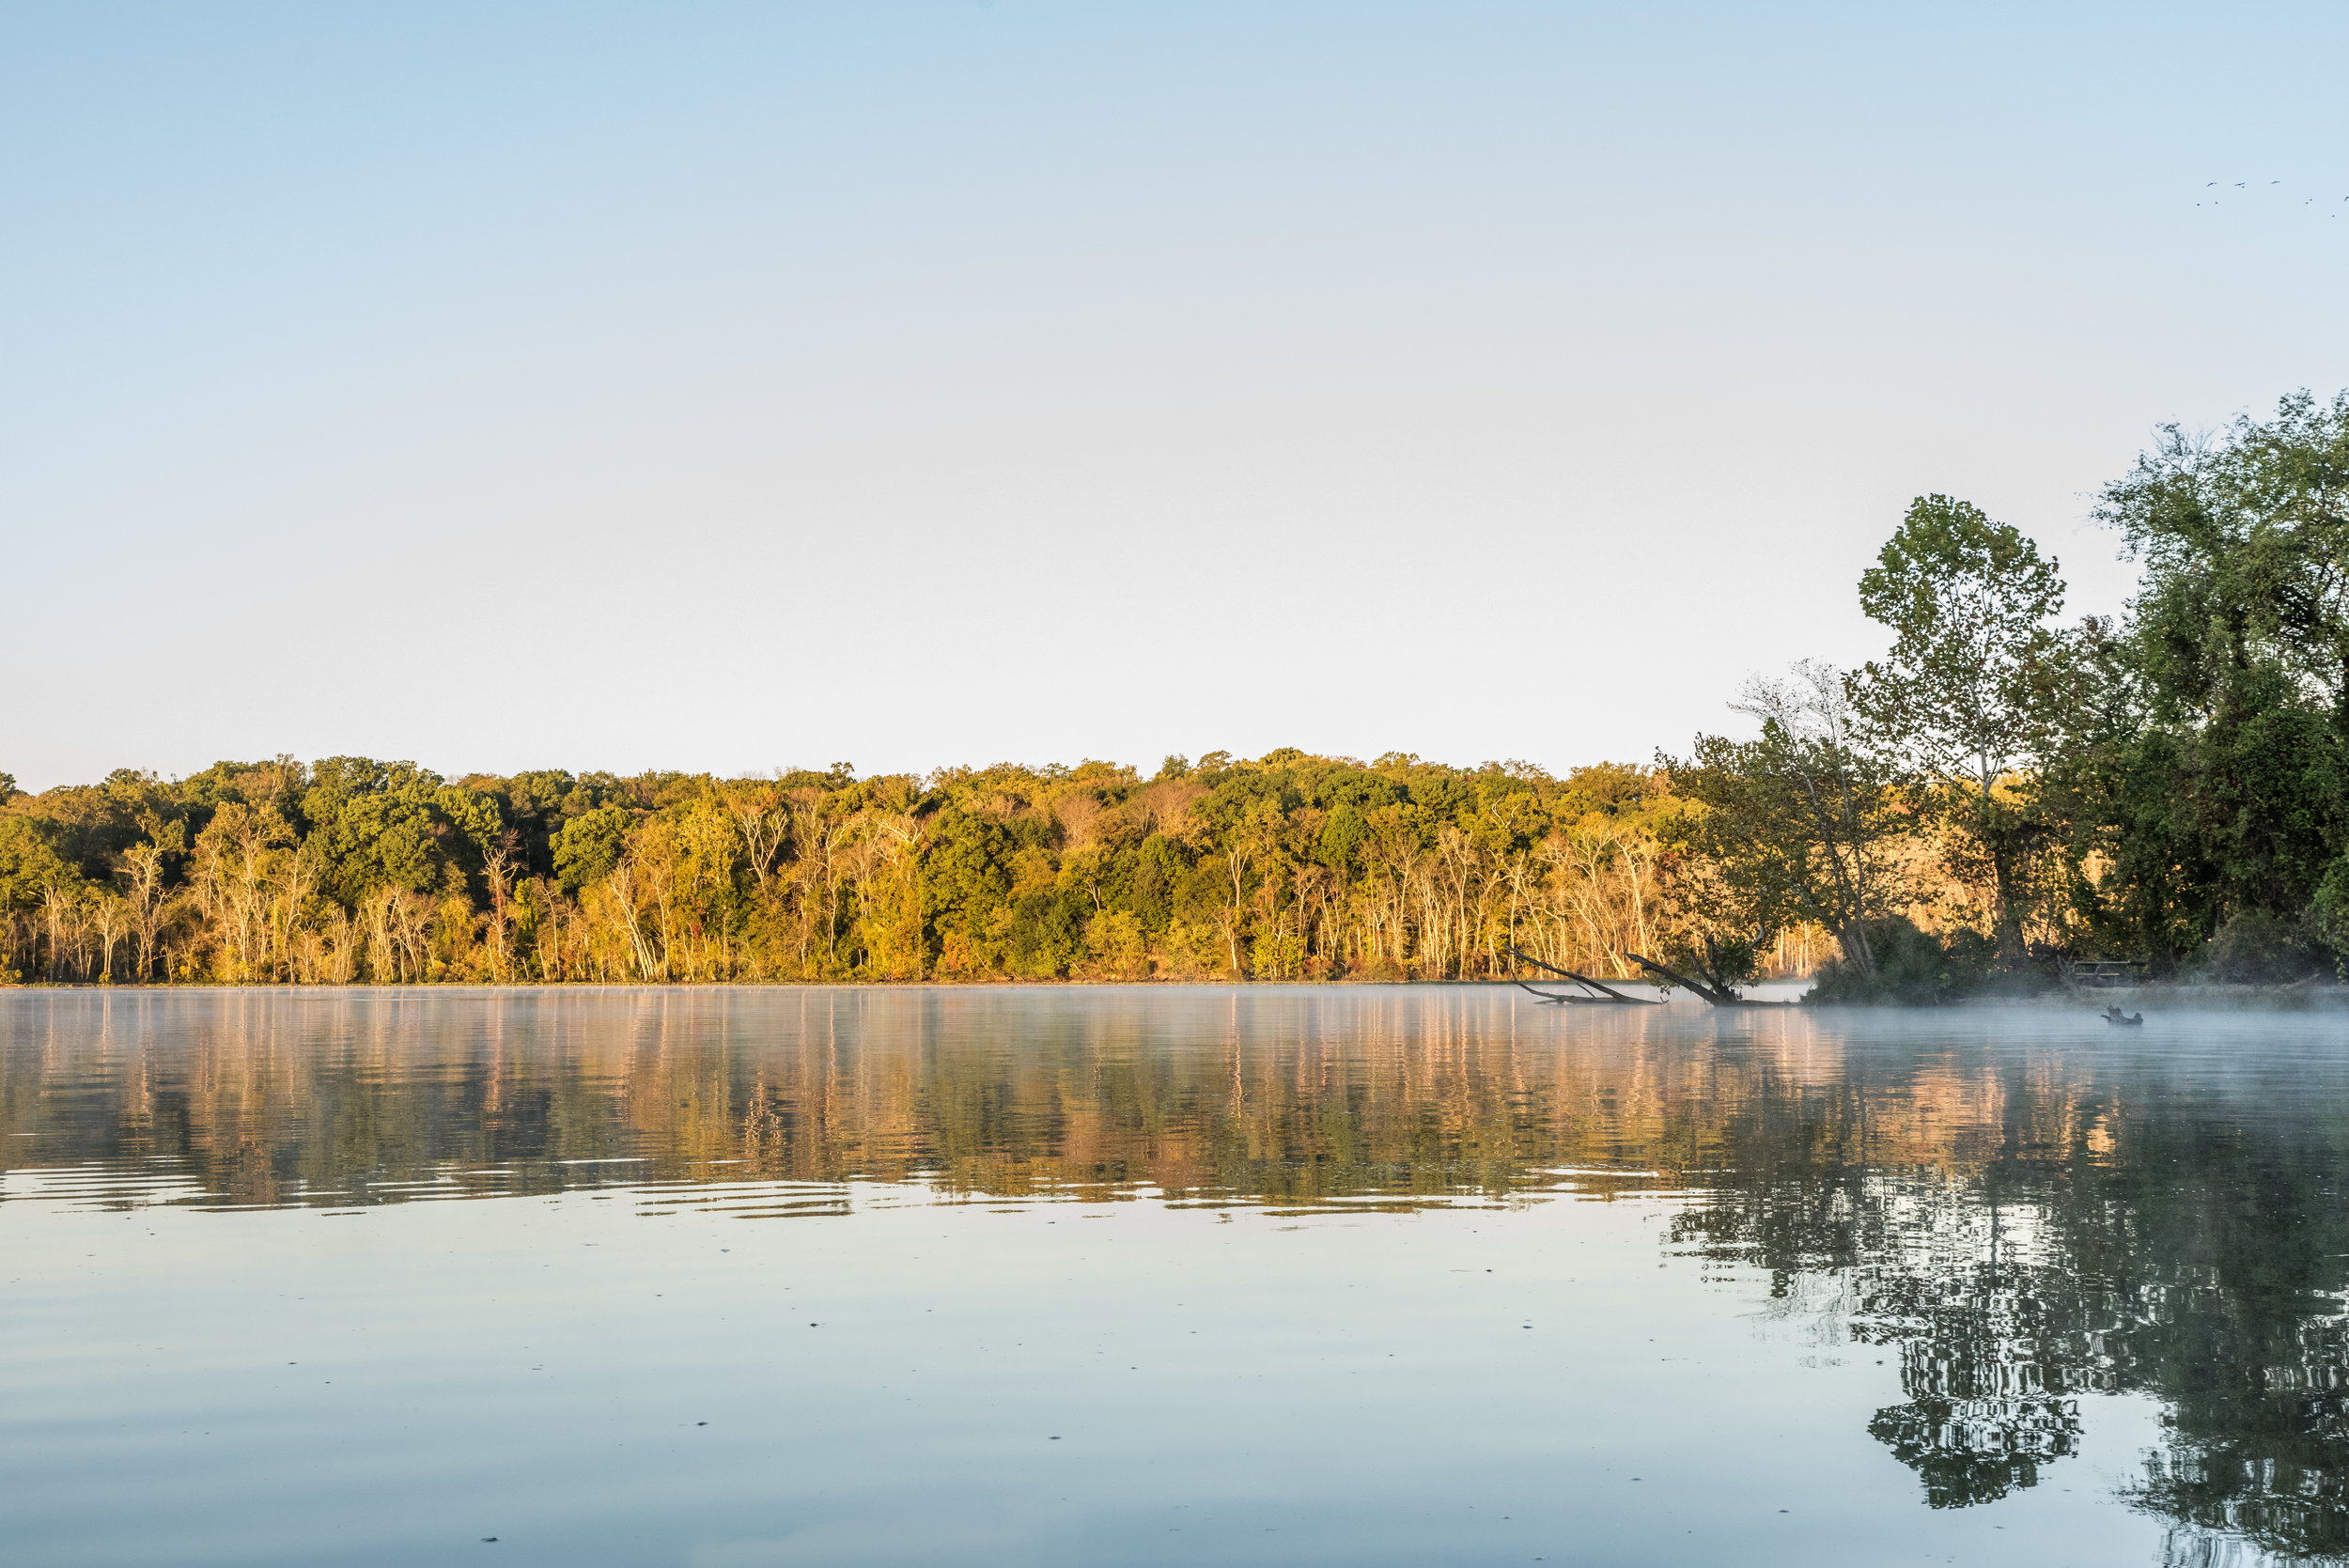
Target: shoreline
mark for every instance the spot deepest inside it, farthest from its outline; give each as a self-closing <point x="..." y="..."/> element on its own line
<point x="2163" y="996"/>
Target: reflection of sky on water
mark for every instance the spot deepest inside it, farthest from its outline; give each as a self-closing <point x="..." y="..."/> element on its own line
<point x="1943" y="1287"/>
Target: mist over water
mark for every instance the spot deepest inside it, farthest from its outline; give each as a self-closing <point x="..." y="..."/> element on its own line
<point x="1164" y="1275"/>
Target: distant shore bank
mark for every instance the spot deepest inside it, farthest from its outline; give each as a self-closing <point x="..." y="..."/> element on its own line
<point x="2152" y="996"/>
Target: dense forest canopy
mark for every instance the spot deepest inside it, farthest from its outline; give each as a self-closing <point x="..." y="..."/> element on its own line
<point x="1996" y="796"/>
<point x="1288" y="866"/>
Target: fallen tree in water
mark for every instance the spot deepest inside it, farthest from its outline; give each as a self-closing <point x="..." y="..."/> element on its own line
<point x="1607" y="993"/>
<point x="1720" y="995"/>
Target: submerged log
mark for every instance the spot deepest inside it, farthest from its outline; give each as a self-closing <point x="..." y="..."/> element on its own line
<point x="1607" y="993"/>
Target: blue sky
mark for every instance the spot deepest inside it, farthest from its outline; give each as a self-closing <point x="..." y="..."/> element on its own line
<point x="716" y="386"/>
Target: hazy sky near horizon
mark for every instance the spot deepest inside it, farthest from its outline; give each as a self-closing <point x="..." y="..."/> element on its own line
<point x="733" y="386"/>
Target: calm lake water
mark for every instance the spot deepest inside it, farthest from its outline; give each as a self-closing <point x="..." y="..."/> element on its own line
<point x="1163" y="1276"/>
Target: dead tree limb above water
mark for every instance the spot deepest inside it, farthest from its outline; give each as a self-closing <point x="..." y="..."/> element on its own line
<point x="1607" y="993"/>
<point x="1720" y="995"/>
<point x="1560" y="999"/>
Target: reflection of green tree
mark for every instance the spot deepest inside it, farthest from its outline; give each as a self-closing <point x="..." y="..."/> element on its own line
<point x="1990" y="1363"/>
<point x="2197" y="1258"/>
<point x="1971" y="1451"/>
<point x="2237" y="1252"/>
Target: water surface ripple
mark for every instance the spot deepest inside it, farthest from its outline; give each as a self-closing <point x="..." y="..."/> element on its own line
<point x="1163" y="1275"/>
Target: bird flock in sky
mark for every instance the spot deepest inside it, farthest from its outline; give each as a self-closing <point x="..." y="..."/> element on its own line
<point x="2248" y="185"/>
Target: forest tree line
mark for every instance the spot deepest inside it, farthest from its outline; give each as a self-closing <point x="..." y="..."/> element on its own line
<point x="1286" y="867"/>
<point x="2001" y="795"/>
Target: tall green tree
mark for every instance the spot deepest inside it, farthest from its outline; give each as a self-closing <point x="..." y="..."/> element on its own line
<point x="1962" y="696"/>
<point x="2214" y="782"/>
<point x="2243" y="537"/>
<point x="30" y="864"/>
<point x="1798" y="824"/>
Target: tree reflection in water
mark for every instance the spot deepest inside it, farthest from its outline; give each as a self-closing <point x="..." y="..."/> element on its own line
<point x="2097" y="1230"/>
<point x="2025" y="1218"/>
